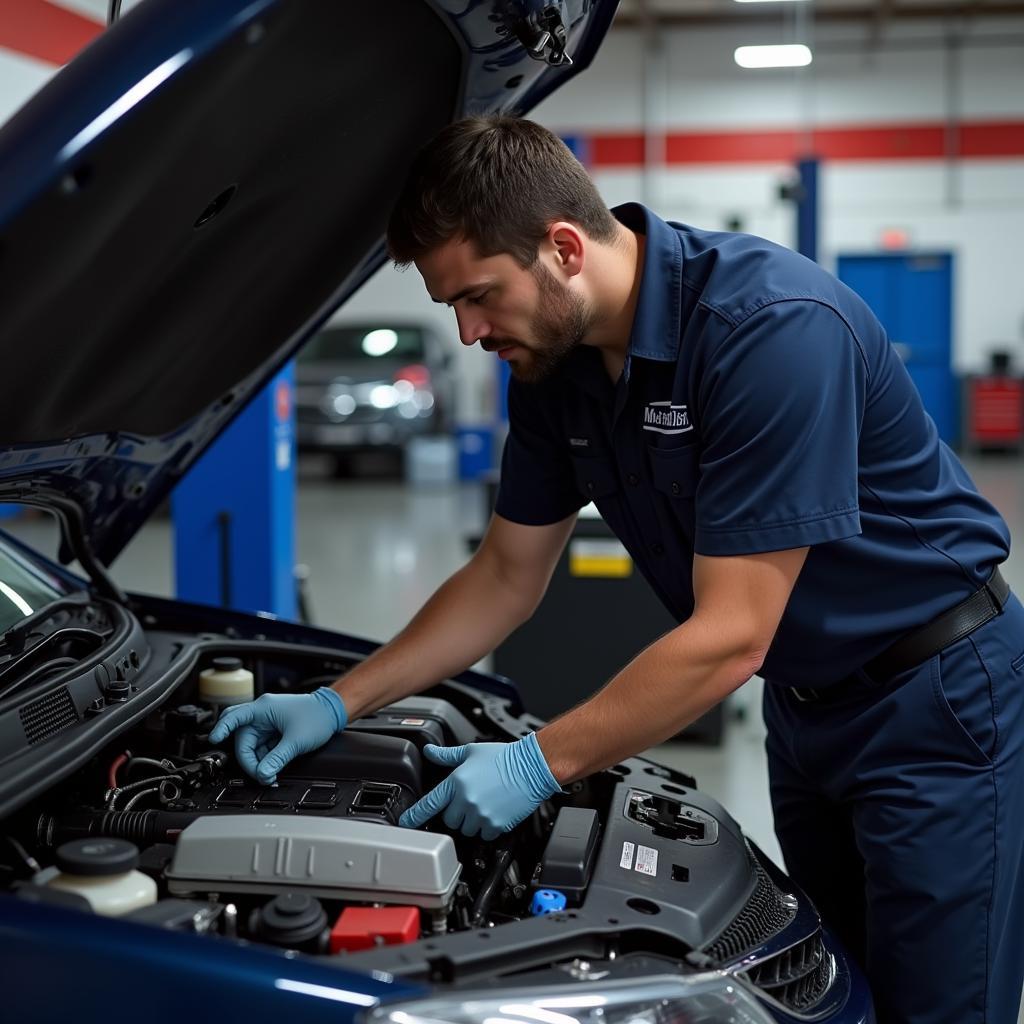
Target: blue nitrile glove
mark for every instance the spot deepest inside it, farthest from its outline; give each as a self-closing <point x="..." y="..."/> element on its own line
<point x="494" y="786"/>
<point x="303" y="721"/>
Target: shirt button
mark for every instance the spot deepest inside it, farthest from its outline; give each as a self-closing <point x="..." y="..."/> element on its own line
<point x="675" y="487"/>
<point x="633" y="479"/>
<point x="590" y="485"/>
<point x="658" y="549"/>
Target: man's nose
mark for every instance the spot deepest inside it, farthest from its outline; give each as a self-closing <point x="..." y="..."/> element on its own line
<point x="472" y="329"/>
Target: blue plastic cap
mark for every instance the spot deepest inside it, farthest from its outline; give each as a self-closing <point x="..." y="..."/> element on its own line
<point x="547" y="901"/>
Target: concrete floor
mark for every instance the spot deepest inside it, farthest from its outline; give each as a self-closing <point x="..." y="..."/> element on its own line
<point x="378" y="549"/>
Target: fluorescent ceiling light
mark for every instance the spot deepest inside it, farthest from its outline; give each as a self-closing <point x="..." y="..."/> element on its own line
<point x="794" y="55"/>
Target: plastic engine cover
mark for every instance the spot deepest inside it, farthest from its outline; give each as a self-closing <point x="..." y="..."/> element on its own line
<point x="329" y="857"/>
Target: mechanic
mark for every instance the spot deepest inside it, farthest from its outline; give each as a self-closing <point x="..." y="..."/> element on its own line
<point x="749" y="433"/>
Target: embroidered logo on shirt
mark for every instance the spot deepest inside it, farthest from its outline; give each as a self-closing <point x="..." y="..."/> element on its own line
<point x="666" y="418"/>
<point x="579" y="442"/>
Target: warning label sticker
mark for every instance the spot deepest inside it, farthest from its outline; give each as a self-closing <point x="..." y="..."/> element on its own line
<point x="626" y="861"/>
<point x="647" y="860"/>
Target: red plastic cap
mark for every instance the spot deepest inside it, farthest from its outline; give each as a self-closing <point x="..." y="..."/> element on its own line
<point x="366" y="927"/>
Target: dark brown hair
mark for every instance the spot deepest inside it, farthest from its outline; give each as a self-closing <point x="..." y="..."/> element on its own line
<point x="498" y="182"/>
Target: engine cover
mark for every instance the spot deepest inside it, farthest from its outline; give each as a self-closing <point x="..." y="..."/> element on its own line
<point x="327" y="857"/>
<point x="363" y="776"/>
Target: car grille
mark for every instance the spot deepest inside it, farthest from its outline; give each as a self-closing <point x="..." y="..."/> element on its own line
<point x="798" y="977"/>
<point x="766" y="913"/>
<point x="47" y="716"/>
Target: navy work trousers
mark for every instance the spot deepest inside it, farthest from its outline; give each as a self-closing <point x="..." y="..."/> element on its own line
<point x="900" y="811"/>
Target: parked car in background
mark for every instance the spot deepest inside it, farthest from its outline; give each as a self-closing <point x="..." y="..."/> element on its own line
<point x="371" y="387"/>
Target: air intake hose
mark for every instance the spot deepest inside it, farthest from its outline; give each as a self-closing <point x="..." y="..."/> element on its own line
<point x="140" y="827"/>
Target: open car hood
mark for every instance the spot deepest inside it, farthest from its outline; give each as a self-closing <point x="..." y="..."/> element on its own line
<point x="196" y="193"/>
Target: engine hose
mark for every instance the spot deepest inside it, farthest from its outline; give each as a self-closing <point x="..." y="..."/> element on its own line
<point x="168" y="790"/>
<point x="163" y="767"/>
<point x="141" y="827"/>
<point x="111" y="795"/>
<point x="139" y="796"/>
<point x="482" y="903"/>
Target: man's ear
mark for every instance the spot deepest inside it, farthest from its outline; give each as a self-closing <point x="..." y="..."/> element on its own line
<point x="567" y="244"/>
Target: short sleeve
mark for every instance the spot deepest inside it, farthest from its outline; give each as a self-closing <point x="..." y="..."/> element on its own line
<point x="537" y="481"/>
<point x="781" y="401"/>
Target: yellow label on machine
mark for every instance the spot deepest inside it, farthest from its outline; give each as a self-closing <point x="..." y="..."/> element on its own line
<point x="601" y="558"/>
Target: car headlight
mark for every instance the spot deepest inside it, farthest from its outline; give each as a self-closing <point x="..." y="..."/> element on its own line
<point x="707" y="998"/>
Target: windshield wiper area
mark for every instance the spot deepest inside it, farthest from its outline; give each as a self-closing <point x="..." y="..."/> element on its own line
<point x="51" y="639"/>
<point x="14" y="640"/>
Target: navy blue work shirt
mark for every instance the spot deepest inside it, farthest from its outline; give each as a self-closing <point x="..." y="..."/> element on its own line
<point x="761" y="408"/>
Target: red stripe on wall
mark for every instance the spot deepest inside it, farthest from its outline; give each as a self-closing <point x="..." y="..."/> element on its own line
<point x="992" y="138"/>
<point x="925" y="141"/>
<point x="616" y="150"/>
<point x="44" y="30"/>
<point x="730" y="147"/>
<point x="892" y="142"/>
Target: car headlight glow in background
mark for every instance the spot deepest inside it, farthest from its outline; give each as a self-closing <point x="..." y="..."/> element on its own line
<point x="380" y="342"/>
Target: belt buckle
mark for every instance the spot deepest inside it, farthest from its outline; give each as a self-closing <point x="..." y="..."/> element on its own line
<point x="799" y="691"/>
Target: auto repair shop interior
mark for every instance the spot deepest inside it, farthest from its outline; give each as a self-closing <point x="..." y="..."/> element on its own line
<point x="236" y="457"/>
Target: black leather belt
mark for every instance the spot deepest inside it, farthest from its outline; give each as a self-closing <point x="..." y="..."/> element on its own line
<point x="917" y="647"/>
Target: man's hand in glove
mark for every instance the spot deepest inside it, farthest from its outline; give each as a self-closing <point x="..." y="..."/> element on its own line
<point x="493" y="788"/>
<point x="277" y="727"/>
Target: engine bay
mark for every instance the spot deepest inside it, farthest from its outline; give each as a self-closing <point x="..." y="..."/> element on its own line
<point x="634" y="861"/>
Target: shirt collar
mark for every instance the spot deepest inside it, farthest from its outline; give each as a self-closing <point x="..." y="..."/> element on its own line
<point x="656" y="322"/>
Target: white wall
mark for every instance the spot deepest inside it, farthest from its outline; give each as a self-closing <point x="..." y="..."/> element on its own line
<point x="20" y="77"/>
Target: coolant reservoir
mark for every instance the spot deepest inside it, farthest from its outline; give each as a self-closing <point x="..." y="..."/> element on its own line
<point x="226" y="683"/>
<point x="103" y="871"/>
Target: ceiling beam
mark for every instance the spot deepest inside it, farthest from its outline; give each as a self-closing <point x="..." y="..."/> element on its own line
<point x="857" y="13"/>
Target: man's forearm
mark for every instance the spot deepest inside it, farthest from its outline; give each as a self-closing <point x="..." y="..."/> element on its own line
<point x="467" y="617"/>
<point x="665" y="688"/>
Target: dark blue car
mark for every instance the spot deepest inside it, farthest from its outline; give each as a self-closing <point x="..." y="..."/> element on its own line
<point x="183" y="206"/>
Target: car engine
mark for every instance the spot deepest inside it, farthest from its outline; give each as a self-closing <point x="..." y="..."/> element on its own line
<point x="633" y="862"/>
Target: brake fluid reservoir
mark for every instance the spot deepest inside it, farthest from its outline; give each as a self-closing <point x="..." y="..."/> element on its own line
<point x="226" y="683"/>
<point x="103" y="871"/>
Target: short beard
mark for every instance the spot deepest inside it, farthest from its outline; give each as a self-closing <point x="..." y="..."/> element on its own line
<point x="558" y="327"/>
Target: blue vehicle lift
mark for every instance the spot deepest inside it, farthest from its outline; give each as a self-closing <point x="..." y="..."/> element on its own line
<point x="234" y="512"/>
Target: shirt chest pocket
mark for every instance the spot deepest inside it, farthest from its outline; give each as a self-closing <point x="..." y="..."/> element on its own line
<point x="675" y="471"/>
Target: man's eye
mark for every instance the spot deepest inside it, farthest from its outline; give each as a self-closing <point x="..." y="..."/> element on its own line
<point x="475" y="300"/>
